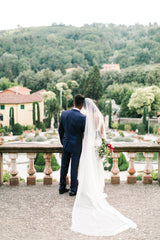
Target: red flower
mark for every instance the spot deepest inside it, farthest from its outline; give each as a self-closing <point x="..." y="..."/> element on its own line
<point x="110" y="147"/>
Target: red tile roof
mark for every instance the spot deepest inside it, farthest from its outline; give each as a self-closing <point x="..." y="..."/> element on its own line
<point x="39" y="92"/>
<point x="70" y="69"/>
<point x="19" y="90"/>
<point x="18" y="99"/>
<point x="110" y="67"/>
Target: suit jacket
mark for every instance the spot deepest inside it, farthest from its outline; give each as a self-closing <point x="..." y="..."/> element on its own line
<point x="71" y="129"/>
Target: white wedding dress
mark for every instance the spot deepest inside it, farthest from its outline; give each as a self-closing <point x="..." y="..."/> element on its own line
<point x="92" y="215"/>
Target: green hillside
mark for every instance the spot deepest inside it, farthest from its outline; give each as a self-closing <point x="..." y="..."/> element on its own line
<point x="37" y="58"/>
<point x="51" y="47"/>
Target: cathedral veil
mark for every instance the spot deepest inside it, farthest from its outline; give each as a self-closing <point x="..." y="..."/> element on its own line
<point x="92" y="215"/>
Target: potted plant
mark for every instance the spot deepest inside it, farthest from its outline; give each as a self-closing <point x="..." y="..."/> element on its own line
<point x="21" y="138"/>
<point x="1" y="141"/>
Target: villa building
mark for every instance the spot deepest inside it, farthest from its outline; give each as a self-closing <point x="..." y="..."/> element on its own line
<point x="110" y="67"/>
<point x="22" y="102"/>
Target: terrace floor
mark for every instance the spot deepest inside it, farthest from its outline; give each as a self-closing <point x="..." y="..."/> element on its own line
<point x="40" y="213"/>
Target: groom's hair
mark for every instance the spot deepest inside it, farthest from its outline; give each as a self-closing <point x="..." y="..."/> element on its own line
<point x="79" y="100"/>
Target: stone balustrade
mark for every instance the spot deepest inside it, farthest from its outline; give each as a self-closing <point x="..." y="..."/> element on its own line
<point x="148" y="150"/>
<point x="47" y="149"/>
<point x="31" y="150"/>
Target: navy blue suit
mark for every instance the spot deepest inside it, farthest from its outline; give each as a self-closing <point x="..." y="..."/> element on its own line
<point x="71" y="129"/>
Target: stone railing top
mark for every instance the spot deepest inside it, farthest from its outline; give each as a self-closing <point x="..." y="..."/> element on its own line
<point x="31" y="148"/>
<point x="136" y="147"/>
<point x="57" y="147"/>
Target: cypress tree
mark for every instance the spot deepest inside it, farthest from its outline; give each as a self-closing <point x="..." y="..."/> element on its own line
<point x="36" y="122"/>
<point x="145" y="114"/>
<point x="110" y="114"/>
<point x="93" y="85"/>
<point x="11" y="117"/>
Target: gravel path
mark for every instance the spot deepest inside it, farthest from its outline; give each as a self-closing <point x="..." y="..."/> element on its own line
<point x="40" y="213"/>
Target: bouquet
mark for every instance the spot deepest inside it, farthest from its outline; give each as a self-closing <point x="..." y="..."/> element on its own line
<point x="105" y="152"/>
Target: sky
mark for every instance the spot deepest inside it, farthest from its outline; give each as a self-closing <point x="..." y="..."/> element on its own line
<point x="30" y="13"/>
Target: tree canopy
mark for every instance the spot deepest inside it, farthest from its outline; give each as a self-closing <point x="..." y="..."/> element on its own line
<point x="44" y="57"/>
<point x="146" y="97"/>
<point x="60" y="47"/>
<point x="93" y="85"/>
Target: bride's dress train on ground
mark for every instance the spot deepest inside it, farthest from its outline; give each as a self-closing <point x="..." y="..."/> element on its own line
<point x="92" y="215"/>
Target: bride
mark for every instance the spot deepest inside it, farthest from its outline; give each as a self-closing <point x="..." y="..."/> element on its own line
<point x="92" y="215"/>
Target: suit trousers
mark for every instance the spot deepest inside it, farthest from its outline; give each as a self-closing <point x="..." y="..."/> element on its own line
<point x="66" y="157"/>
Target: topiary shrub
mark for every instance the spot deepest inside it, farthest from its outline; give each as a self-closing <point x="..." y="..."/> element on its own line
<point x="39" y="163"/>
<point x="2" y="131"/>
<point x="117" y="139"/>
<point x="121" y="126"/>
<point x="127" y="127"/>
<point x="17" y="129"/>
<point x="11" y="117"/>
<point x="36" y="122"/>
<point x="40" y="138"/>
<point x="6" y="176"/>
<point x="54" y="165"/>
<point x="141" y="128"/>
<point x="49" y="136"/>
<point x="122" y="163"/>
<point x="122" y="139"/>
<point x="17" y="139"/>
<point x="155" y="176"/>
<point x="127" y="139"/>
<point x="151" y="129"/>
<point x="110" y="114"/>
<point x="30" y="127"/>
<point x="155" y="129"/>
<point x="114" y="125"/>
<point x="29" y="139"/>
<point x="134" y="126"/>
<point x="139" y="177"/>
<point x="42" y="126"/>
<point x="139" y="157"/>
<point x="121" y="133"/>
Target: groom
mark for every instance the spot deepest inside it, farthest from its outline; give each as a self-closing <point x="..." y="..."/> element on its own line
<point x="71" y="129"/>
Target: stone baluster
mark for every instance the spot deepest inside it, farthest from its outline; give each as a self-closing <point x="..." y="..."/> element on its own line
<point x="31" y="179"/>
<point x="115" y="178"/>
<point x="131" y="178"/>
<point x="48" y="170"/>
<point x="159" y="168"/>
<point x="14" y="179"/>
<point x="1" y="168"/>
<point x="147" y="177"/>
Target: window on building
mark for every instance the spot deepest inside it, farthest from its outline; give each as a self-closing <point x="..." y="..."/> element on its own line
<point x="2" y="107"/>
<point x="1" y="117"/>
<point x="22" y="106"/>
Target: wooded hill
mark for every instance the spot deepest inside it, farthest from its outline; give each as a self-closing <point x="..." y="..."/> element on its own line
<point x="59" y="45"/>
